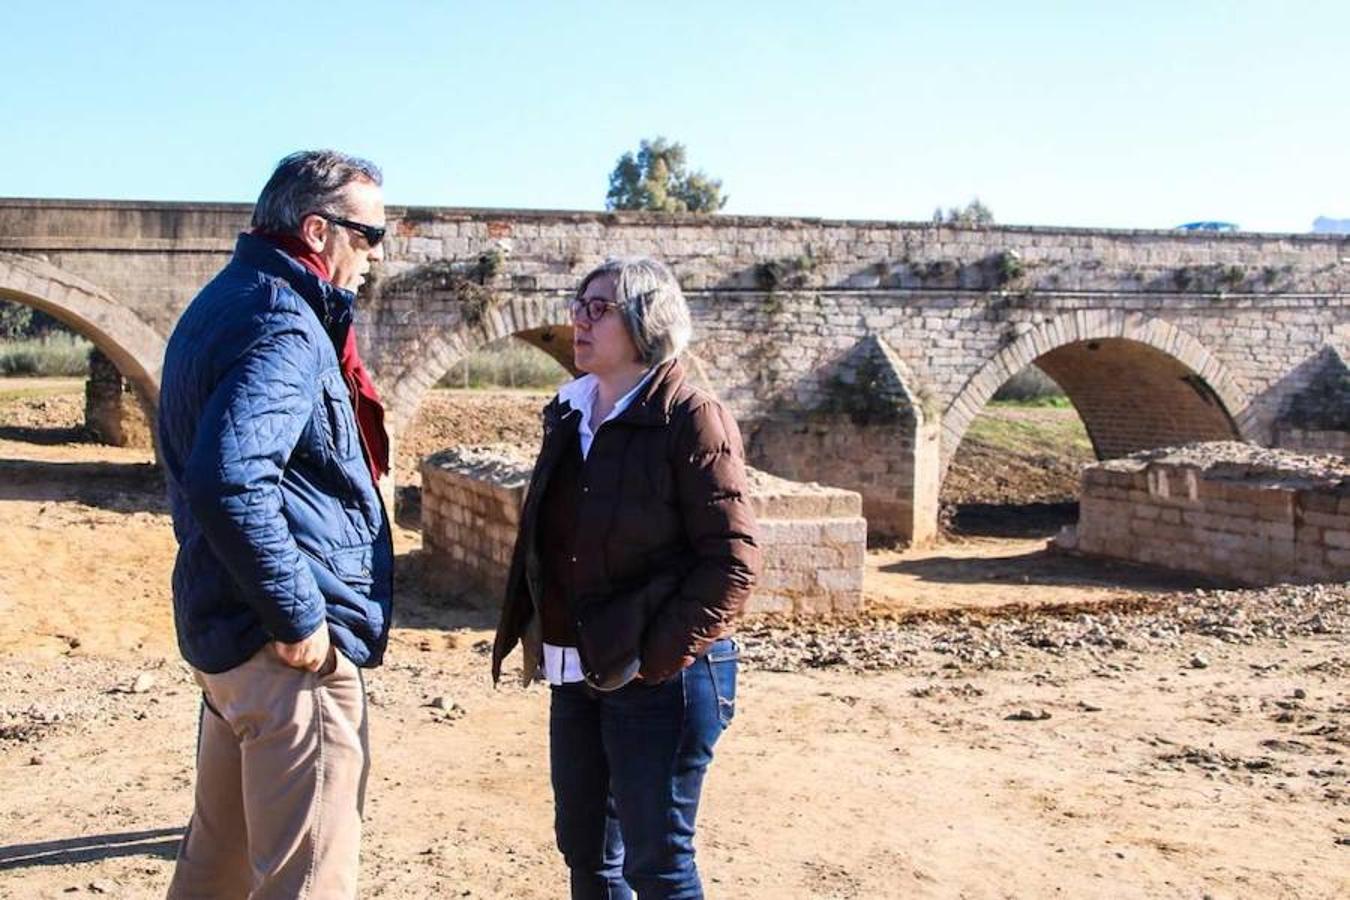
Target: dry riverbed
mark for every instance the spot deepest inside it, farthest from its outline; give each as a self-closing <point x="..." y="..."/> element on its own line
<point x="1004" y="724"/>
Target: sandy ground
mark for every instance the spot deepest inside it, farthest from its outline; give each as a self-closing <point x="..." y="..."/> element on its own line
<point x="1174" y="766"/>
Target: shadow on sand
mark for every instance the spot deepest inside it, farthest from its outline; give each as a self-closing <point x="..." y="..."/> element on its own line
<point x="44" y="437"/>
<point x="426" y="598"/>
<point x="1048" y="567"/>
<point x="120" y="487"/>
<point x="158" y="842"/>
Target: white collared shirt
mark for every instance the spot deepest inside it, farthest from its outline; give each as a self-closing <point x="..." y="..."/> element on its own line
<point x="580" y="394"/>
<point x="562" y="665"/>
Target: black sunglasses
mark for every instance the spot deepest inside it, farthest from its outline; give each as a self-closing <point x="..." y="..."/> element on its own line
<point x="372" y="233"/>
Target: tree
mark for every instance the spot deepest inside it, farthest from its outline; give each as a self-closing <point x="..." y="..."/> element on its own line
<point x="974" y="215"/>
<point x="18" y="322"/>
<point x="658" y="180"/>
<point x="15" y="320"/>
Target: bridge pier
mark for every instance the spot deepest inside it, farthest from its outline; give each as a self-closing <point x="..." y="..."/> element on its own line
<point x="895" y="466"/>
<point x="870" y="432"/>
<point x="114" y="410"/>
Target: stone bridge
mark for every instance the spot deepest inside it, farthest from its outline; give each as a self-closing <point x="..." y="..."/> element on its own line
<point x="854" y="353"/>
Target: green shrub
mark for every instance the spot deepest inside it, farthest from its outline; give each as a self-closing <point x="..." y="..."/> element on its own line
<point x="509" y="363"/>
<point x="1031" y="386"/>
<point x="57" y="354"/>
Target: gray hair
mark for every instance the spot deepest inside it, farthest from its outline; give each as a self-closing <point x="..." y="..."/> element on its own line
<point x="652" y="305"/>
<point x="311" y="181"/>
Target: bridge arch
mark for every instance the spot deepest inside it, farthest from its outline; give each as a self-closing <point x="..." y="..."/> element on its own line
<point x="1136" y="381"/>
<point x="135" y="348"/>
<point x="542" y="322"/>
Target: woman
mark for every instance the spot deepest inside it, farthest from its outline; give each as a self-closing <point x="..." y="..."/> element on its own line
<point x="635" y="554"/>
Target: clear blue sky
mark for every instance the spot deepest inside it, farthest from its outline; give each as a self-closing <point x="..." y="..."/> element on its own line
<point x="1130" y="114"/>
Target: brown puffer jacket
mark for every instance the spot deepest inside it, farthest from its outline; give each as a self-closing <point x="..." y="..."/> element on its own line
<point x="666" y="550"/>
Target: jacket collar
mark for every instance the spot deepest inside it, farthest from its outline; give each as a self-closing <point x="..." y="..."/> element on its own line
<point x="332" y="304"/>
<point x="581" y="393"/>
<point x="652" y="406"/>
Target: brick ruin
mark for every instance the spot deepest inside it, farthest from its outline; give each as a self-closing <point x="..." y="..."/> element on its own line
<point x="813" y="538"/>
<point x="1227" y="510"/>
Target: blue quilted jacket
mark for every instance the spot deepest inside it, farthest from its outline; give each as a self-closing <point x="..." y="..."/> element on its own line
<point x="279" y="525"/>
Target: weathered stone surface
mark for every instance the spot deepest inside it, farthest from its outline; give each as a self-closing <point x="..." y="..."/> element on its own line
<point x="1230" y="510"/>
<point x="113" y="411"/>
<point x="812" y="538"/>
<point x="803" y="326"/>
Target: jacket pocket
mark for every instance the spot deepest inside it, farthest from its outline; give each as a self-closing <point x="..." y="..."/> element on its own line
<point x="353" y="566"/>
<point x="339" y="418"/>
<point x="610" y="630"/>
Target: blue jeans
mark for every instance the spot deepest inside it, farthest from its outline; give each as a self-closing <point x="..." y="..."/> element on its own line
<point x="628" y="768"/>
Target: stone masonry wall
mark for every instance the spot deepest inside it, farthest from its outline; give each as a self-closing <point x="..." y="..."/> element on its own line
<point x="778" y="302"/>
<point x="877" y="460"/>
<point x="1315" y="441"/>
<point x="1242" y="333"/>
<point x="1227" y="510"/>
<point x="471" y="502"/>
<point x="112" y="411"/>
<point x="813" y="538"/>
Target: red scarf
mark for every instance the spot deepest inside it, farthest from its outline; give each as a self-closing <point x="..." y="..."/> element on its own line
<point x="365" y="398"/>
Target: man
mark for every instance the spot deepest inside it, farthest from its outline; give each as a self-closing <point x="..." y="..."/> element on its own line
<point x="272" y="440"/>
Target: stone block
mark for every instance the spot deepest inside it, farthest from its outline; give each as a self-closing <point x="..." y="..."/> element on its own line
<point x="1277" y="531"/>
<point x="1326" y="520"/>
<point x="814" y="603"/>
<point x="1317" y="502"/>
<point x="768" y="601"/>
<point x="790" y="531"/>
<point x="840" y="580"/>
<point x="783" y="579"/>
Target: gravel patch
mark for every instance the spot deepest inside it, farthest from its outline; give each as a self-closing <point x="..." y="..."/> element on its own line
<point x="987" y="639"/>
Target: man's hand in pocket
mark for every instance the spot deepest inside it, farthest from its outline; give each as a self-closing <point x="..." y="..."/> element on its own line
<point x="311" y="653"/>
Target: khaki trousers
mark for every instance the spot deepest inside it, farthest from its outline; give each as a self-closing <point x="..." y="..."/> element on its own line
<point x="282" y="760"/>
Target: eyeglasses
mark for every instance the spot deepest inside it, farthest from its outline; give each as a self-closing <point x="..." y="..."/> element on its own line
<point x="372" y="233"/>
<point x="594" y="309"/>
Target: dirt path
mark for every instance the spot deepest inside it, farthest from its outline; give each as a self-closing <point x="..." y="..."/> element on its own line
<point x="1178" y="765"/>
